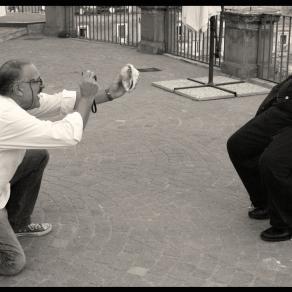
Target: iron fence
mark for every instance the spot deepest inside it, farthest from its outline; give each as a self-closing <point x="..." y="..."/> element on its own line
<point x="181" y="41"/>
<point x="274" y="54"/>
<point x="26" y="9"/>
<point x="115" y="24"/>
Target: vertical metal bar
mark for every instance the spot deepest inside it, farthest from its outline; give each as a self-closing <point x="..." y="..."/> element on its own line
<point x="71" y="18"/>
<point x="78" y="23"/>
<point x="175" y="31"/>
<point x="128" y="28"/>
<point x="264" y="46"/>
<point x="86" y="23"/>
<point x="171" y="29"/>
<point x="135" y="27"/>
<point x="104" y="24"/>
<point x="192" y="44"/>
<point x="203" y="49"/>
<point x="184" y="38"/>
<point x="188" y="38"/>
<point x="196" y="45"/>
<point x="199" y="44"/>
<point x="282" y="48"/>
<point x="90" y="22"/>
<point x="270" y="44"/>
<point x="179" y="34"/>
<point x="216" y="43"/>
<point x="97" y="23"/>
<point x="208" y="40"/>
<point x="101" y="25"/>
<point x="276" y="47"/>
<point x="211" y="54"/>
<point x="167" y="30"/>
<point x="137" y="17"/>
<point x="288" y="52"/>
<point x="94" y="22"/>
<point x="116" y="26"/>
<point x="112" y="19"/>
<point x="91" y="16"/>
<point x="120" y="39"/>
<point x="124" y="23"/>
<point x="66" y="22"/>
<point x="260" y="48"/>
<point x="108" y="26"/>
<point x="132" y="38"/>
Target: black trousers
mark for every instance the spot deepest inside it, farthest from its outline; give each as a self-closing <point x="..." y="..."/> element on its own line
<point x="261" y="152"/>
<point x="25" y="186"/>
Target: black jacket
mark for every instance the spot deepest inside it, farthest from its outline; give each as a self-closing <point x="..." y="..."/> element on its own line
<point x="277" y="95"/>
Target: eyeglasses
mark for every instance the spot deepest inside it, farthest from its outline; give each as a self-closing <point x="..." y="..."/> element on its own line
<point x="39" y="81"/>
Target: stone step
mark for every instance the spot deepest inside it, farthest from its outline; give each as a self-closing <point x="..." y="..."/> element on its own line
<point x="8" y="33"/>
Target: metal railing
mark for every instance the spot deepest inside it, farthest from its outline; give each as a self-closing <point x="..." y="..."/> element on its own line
<point x="274" y="54"/>
<point x="181" y="41"/>
<point x="115" y="24"/>
<point x="26" y="9"/>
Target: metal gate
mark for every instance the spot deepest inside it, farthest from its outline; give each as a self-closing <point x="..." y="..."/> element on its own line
<point x="115" y="24"/>
<point x="26" y="9"/>
<point x="274" y="54"/>
<point x="181" y="41"/>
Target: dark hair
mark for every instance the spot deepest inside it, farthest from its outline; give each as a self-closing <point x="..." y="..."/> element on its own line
<point x="10" y="71"/>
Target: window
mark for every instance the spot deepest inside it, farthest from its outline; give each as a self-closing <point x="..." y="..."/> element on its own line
<point x="122" y="32"/>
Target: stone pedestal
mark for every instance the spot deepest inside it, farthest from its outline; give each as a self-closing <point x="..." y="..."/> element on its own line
<point x="242" y="50"/>
<point x="55" y="20"/>
<point x="152" y="29"/>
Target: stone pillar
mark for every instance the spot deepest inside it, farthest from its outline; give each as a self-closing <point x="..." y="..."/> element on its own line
<point x="152" y="29"/>
<point x="242" y="51"/>
<point x="55" y="20"/>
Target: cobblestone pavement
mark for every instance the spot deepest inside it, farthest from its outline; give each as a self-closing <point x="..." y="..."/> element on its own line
<point x="149" y="197"/>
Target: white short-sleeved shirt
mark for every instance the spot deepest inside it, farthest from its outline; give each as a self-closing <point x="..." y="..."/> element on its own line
<point x="52" y="125"/>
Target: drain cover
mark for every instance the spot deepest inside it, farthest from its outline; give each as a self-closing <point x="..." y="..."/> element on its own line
<point x="151" y="69"/>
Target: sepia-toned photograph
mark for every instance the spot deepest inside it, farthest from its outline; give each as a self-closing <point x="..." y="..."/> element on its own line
<point x="146" y="146"/>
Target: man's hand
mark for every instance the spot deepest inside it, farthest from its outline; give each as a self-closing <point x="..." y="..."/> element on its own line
<point x="125" y="81"/>
<point x="88" y="86"/>
<point x="116" y="89"/>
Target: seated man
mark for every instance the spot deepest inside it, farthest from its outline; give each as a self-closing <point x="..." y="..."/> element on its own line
<point x="261" y="152"/>
<point x="23" y="138"/>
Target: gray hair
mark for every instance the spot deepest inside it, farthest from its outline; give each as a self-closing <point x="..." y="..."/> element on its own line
<point x="10" y="72"/>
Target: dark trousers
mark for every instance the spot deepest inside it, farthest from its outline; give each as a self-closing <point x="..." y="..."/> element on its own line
<point x="25" y="186"/>
<point x="261" y="152"/>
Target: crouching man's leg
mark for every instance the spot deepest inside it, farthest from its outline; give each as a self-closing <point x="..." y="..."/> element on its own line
<point x="25" y="186"/>
<point x="12" y="258"/>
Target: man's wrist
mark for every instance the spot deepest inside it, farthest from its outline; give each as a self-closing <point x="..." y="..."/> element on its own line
<point x="108" y="95"/>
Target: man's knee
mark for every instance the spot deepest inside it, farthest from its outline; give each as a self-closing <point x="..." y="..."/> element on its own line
<point x="11" y="263"/>
<point x="43" y="157"/>
<point x="233" y="144"/>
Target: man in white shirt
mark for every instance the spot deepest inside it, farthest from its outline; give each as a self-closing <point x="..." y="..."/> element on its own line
<point x="25" y="131"/>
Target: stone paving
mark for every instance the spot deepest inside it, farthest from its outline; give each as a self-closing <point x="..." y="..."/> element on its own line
<point x="149" y="197"/>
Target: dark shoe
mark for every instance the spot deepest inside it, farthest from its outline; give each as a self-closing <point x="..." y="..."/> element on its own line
<point x="276" y="234"/>
<point x="259" y="213"/>
<point x="34" y="229"/>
